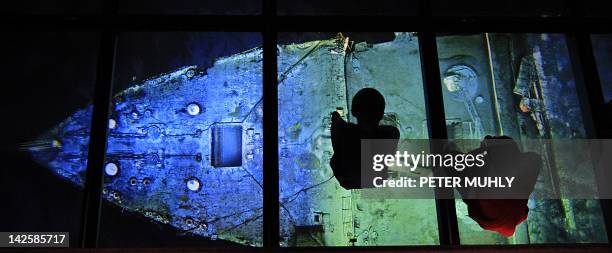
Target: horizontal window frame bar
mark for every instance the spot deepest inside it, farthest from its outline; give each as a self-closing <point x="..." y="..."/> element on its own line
<point x="304" y="23"/>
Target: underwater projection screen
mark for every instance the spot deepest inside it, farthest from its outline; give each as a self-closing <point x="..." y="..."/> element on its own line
<point x="184" y="147"/>
<point x="522" y="86"/>
<point x="321" y="76"/>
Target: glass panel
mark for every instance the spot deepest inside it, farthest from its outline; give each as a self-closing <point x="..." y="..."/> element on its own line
<point x="522" y="86"/>
<point x="516" y="8"/>
<point x="316" y="77"/>
<point x="602" y="48"/>
<point x="192" y="7"/>
<point x="43" y="147"/>
<point x="184" y="153"/>
<point x="348" y="7"/>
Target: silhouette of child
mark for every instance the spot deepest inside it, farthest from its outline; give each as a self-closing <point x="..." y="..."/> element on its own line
<point x="501" y="209"/>
<point x="368" y="107"/>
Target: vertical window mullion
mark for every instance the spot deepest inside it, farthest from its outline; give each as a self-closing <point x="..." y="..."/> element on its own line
<point x="448" y="229"/>
<point x="270" y="125"/>
<point x="97" y="140"/>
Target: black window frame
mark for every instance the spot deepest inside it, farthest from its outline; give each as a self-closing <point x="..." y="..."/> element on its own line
<point x="577" y="27"/>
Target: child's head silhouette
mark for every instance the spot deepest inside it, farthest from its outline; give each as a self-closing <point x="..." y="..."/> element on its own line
<point x="368" y="105"/>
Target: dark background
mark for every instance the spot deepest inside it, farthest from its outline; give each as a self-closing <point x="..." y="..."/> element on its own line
<point x="515" y="8"/>
<point x="46" y="77"/>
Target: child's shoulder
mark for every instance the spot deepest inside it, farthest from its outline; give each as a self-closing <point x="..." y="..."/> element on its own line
<point x="389" y="132"/>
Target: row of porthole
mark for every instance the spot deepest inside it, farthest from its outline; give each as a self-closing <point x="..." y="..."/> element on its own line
<point x="193" y="109"/>
<point x="111" y="169"/>
<point x="145" y="181"/>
